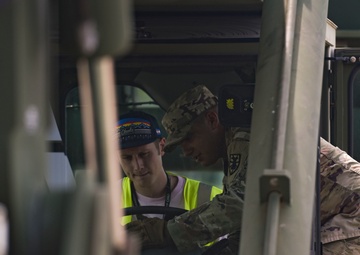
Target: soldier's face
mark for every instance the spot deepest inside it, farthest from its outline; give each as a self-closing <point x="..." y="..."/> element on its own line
<point x="203" y="142"/>
<point x="143" y="164"/>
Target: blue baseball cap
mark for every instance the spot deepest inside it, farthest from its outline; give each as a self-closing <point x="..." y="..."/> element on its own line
<point x="137" y="128"/>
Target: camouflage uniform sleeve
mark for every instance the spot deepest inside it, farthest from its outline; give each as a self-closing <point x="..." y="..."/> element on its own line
<point x="340" y="194"/>
<point x="223" y="214"/>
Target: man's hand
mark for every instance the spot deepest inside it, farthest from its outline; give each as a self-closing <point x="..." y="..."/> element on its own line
<point x="152" y="232"/>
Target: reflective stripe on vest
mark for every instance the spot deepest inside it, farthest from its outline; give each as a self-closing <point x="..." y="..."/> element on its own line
<point x="126" y="199"/>
<point x="195" y="194"/>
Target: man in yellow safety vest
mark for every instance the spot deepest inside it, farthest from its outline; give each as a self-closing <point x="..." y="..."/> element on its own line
<point x="141" y="147"/>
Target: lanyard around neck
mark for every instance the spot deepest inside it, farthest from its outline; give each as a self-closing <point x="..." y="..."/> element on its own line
<point x="135" y="199"/>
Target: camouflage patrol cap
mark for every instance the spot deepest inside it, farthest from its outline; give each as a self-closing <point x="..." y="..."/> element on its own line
<point x="181" y="114"/>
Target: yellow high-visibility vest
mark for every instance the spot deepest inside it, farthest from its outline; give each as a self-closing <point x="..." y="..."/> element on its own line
<point x="195" y="193"/>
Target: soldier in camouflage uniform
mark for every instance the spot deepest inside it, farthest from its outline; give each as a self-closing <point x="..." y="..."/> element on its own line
<point x="340" y="201"/>
<point x="192" y="121"/>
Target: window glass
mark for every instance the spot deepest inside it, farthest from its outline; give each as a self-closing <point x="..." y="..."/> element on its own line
<point x="355" y="111"/>
<point x="132" y="98"/>
<point x="73" y="131"/>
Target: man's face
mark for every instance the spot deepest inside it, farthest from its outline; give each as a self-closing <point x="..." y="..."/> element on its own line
<point x="143" y="164"/>
<point x="203" y="143"/>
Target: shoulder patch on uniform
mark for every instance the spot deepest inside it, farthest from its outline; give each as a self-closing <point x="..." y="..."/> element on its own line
<point x="234" y="162"/>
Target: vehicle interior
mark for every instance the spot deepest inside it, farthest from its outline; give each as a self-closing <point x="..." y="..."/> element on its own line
<point x="158" y="50"/>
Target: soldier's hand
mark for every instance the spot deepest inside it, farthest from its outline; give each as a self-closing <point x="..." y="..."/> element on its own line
<point x="152" y="232"/>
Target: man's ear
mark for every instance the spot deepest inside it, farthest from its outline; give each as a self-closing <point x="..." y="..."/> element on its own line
<point x="213" y="119"/>
<point x="162" y="145"/>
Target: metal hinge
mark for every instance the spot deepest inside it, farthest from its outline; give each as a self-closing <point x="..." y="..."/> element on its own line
<point x="275" y="180"/>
